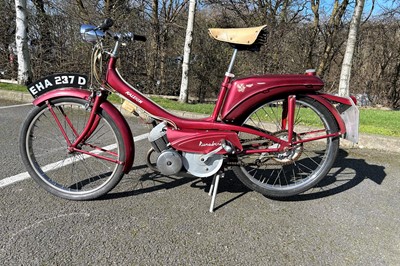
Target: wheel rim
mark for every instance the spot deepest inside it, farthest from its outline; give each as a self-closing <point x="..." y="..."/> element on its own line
<point x="297" y="167"/>
<point x="72" y="173"/>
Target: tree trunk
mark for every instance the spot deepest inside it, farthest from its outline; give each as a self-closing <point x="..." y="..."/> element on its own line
<point x="83" y="14"/>
<point x="21" y="39"/>
<point x="351" y="43"/>
<point x="331" y="35"/>
<point x="315" y="30"/>
<point x="154" y="46"/>
<point x="43" y="21"/>
<point x="184" y="95"/>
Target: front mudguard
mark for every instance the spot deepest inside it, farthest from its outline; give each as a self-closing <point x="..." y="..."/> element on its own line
<point x="109" y="108"/>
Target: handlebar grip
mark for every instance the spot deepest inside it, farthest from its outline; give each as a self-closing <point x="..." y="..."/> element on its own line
<point x="106" y="25"/>
<point x="139" y="38"/>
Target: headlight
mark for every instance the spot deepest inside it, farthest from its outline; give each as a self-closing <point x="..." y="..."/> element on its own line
<point x="90" y="34"/>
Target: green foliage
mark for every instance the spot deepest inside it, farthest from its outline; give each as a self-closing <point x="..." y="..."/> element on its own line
<point x="12" y="87"/>
<point x="381" y="122"/>
<point x="201" y="108"/>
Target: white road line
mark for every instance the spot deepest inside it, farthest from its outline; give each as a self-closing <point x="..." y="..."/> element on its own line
<point x="22" y="176"/>
<point x="12" y="106"/>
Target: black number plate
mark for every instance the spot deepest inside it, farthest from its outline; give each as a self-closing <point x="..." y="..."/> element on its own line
<point x="57" y="81"/>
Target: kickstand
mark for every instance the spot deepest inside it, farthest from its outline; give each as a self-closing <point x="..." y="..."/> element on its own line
<point x="214" y="188"/>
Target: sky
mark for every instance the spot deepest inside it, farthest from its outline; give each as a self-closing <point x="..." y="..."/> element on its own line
<point x="381" y="5"/>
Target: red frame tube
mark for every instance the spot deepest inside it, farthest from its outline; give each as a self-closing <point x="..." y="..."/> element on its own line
<point x="291" y="110"/>
<point x="59" y="124"/>
<point x="221" y="98"/>
<point x="97" y="155"/>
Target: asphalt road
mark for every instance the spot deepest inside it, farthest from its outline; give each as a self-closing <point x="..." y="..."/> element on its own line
<point x="352" y="218"/>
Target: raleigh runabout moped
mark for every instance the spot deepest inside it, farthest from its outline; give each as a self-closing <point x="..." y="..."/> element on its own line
<point x="278" y="133"/>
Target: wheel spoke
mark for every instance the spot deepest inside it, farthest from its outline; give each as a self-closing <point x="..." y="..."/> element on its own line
<point x="72" y="174"/>
<point x="299" y="168"/>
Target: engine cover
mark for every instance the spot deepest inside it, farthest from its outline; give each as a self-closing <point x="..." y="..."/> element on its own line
<point x="169" y="162"/>
<point x="195" y="166"/>
<point x="158" y="138"/>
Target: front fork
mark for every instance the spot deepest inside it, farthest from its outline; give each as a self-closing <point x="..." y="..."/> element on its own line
<point x="94" y="102"/>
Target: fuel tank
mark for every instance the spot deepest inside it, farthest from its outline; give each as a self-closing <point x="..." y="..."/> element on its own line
<point x="246" y="93"/>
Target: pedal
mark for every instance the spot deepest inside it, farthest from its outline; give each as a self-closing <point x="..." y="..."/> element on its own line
<point x="227" y="146"/>
<point x="130" y="107"/>
<point x="137" y="111"/>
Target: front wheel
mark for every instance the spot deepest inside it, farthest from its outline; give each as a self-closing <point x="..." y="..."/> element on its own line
<point x="299" y="168"/>
<point x="75" y="175"/>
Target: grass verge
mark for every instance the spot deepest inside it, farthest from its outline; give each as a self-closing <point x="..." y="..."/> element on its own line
<point x="12" y="87"/>
<point x="372" y="121"/>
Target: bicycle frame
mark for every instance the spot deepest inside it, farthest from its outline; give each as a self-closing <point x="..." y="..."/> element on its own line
<point x="226" y="108"/>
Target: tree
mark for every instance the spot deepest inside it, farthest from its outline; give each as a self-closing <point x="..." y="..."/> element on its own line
<point x="330" y="34"/>
<point x="351" y="43"/>
<point x="21" y="38"/>
<point x="183" y="96"/>
<point x="83" y="14"/>
<point x="154" y="42"/>
<point x="8" y="66"/>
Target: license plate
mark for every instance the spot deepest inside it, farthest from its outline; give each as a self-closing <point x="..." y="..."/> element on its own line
<point x="57" y="81"/>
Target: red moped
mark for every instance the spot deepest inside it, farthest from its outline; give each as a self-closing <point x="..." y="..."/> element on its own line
<point x="278" y="133"/>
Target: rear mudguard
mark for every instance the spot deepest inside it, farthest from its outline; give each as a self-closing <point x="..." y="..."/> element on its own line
<point x="110" y="109"/>
<point x="249" y="93"/>
<point x="323" y="99"/>
<point x="246" y="93"/>
<point x="344" y="110"/>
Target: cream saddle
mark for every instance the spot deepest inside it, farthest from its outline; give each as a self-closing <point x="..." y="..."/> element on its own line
<point x="240" y="36"/>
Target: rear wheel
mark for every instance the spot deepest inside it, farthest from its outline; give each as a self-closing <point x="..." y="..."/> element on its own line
<point x="76" y="175"/>
<point x="297" y="169"/>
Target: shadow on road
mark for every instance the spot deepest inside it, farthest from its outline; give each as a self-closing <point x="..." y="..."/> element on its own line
<point x="148" y="182"/>
<point x="345" y="174"/>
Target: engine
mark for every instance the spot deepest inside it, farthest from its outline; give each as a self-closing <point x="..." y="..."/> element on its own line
<point x="158" y="137"/>
<point x="170" y="161"/>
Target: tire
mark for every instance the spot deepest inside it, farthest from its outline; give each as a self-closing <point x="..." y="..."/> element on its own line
<point x="74" y="176"/>
<point x="295" y="171"/>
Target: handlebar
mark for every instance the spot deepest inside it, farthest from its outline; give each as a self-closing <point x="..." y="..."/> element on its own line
<point x="93" y="34"/>
<point x="140" y="38"/>
<point x="129" y="36"/>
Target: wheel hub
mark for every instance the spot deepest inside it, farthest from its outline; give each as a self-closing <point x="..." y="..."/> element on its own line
<point x="290" y="154"/>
